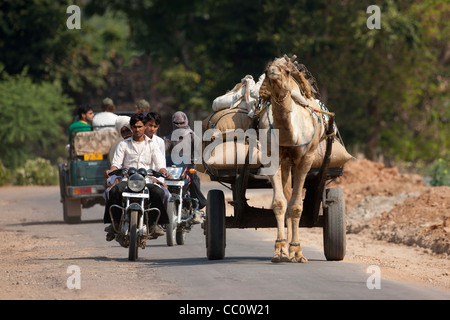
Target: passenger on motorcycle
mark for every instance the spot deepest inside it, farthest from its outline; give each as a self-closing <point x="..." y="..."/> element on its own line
<point x="183" y="134"/>
<point x="123" y="128"/>
<point x="152" y="126"/>
<point x="139" y="151"/>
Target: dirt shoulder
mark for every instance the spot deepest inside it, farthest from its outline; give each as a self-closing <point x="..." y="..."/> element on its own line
<point x="397" y="223"/>
<point x="394" y="221"/>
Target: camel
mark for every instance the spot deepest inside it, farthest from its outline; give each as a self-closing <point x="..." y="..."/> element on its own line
<point x="299" y="130"/>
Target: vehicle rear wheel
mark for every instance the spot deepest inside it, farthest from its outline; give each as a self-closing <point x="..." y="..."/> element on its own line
<point x="334" y="229"/>
<point x="215" y="225"/>
<point x="133" y="248"/>
<point x="71" y="210"/>
<point x="71" y="206"/>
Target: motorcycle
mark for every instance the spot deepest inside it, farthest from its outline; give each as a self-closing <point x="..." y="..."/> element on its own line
<point x="134" y="229"/>
<point x="182" y="209"/>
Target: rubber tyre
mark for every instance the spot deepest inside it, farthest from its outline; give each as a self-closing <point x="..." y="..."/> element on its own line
<point x="133" y="247"/>
<point x="171" y="227"/>
<point x="71" y="207"/>
<point x="71" y="210"/>
<point x="181" y="237"/>
<point x="215" y="225"/>
<point x="334" y="229"/>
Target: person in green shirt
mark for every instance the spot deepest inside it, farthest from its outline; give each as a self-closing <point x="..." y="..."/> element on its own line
<point x="85" y="115"/>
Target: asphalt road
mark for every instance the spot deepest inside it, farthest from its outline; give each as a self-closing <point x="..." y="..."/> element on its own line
<point x="183" y="272"/>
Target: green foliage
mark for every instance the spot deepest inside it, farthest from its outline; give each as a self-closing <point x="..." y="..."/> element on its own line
<point x="34" y="34"/>
<point x="389" y="87"/>
<point x="215" y="40"/>
<point x="182" y="88"/>
<point x="37" y="172"/>
<point x="33" y="118"/>
<point x="440" y="173"/>
<point x="5" y="175"/>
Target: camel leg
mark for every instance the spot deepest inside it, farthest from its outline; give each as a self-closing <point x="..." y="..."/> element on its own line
<point x="287" y="191"/>
<point x="281" y="253"/>
<point x="296" y="209"/>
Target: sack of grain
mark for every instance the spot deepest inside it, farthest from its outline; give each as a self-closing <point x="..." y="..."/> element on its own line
<point x="339" y="155"/>
<point x="227" y="120"/>
<point x="229" y="154"/>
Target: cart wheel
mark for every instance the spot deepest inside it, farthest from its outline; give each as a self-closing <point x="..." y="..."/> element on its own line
<point x="215" y="225"/>
<point x="334" y="226"/>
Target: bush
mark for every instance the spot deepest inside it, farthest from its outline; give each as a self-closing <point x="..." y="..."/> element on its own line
<point x="439" y="173"/>
<point x="37" y="172"/>
<point x="33" y="118"/>
<point x="5" y="175"/>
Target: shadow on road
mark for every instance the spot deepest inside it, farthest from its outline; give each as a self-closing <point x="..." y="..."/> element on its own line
<point x="55" y="222"/>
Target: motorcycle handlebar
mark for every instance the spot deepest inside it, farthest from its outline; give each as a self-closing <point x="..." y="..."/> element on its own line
<point x="130" y="171"/>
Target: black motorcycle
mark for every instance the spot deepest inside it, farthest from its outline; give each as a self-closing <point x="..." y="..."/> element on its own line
<point x="134" y="227"/>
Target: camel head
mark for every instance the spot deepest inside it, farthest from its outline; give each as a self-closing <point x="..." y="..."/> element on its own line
<point x="278" y="76"/>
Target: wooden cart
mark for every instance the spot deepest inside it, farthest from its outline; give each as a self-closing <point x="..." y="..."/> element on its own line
<point x="323" y="207"/>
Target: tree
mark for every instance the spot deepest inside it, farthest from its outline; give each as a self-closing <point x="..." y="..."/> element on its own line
<point x="33" y="118"/>
<point x="213" y="42"/>
<point x="34" y="35"/>
<point x="379" y="82"/>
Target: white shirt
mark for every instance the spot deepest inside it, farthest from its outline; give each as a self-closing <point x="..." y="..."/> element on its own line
<point x="104" y="119"/>
<point x="161" y="143"/>
<point x="162" y="147"/>
<point x="128" y="154"/>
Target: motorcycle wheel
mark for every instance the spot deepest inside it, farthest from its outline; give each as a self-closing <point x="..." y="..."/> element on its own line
<point x="171" y="227"/>
<point x="133" y="248"/>
<point x="181" y="236"/>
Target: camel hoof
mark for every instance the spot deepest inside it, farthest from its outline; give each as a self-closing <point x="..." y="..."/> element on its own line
<point x="280" y="258"/>
<point x="281" y="251"/>
<point x="301" y="259"/>
<point x="296" y="253"/>
<point x="284" y="258"/>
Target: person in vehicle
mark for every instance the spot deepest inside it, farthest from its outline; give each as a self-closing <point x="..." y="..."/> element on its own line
<point x="152" y="126"/>
<point x="107" y="118"/>
<point x="124" y="130"/>
<point x="123" y="126"/>
<point x="143" y="106"/>
<point x="85" y="115"/>
<point x="139" y="151"/>
<point x="153" y="123"/>
<point x="182" y="133"/>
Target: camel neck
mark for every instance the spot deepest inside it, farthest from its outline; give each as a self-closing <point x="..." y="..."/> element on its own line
<point x="294" y="127"/>
<point x="282" y="121"/>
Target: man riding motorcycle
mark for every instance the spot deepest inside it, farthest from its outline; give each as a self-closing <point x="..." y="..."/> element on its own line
<point x="139" y="152"/>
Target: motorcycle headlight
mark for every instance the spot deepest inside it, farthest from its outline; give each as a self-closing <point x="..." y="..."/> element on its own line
<point x="136" y="182"/>
<point x="175" y="172"/>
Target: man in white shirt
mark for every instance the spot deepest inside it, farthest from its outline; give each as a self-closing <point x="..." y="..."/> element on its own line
<point x="139" y="151"/>
<point x="152" y="126"/>
<point x="105" y="119"/>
